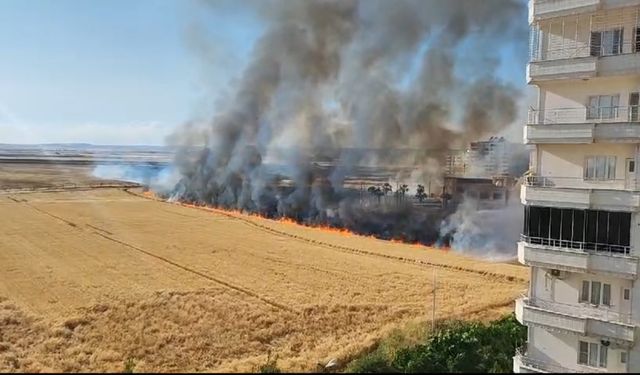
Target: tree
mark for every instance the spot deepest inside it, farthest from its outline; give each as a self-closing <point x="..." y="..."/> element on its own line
<point x="386" y="188"/>
<point x="404" y="189"/>
<point x="420" y="193"/>
<point x="376" y="191"/>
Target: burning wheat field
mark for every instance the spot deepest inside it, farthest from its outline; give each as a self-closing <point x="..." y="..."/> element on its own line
<point x="93" y="278"/>
<point x="313" y="210"/>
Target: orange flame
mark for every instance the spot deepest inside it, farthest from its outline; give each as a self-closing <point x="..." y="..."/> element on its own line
<point x="285" y="220"/>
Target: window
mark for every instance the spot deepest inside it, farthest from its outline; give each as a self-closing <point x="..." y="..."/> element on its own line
<point x="605" y="43"/>
<point x="600" y="168"/>
<point x="603" y="107"/>
<point x="625" y="294"/>
<point x="595" y="292"/>
<point x="636" y="44"/>
<point x="579" y="229"/>
<point x="583" y="356"/>
<point x="623" y="357"/>
<point x="606" y="294"/>
<point x="592" y="354"/>
<point x="634" y="101"/>
<point x="603" y="356"/>
<point x="584" y="295"/>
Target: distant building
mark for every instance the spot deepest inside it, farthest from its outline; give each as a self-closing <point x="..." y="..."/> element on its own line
<point x="485" y="159"/>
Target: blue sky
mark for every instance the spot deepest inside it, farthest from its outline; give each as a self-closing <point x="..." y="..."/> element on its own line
<point x="119" y="72"/>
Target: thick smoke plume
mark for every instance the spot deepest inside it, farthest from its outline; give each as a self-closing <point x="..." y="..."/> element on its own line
<point x="341" y="92"/>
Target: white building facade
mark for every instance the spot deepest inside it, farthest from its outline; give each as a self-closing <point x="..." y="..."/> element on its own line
<point x="581" y="236"/>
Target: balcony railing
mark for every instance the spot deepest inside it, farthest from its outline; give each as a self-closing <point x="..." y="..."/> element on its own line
<point x="581" y="115"/>
<point x="581" y="183"/>
<point x="581" y="310"/>
<point x="546" y="366"/>
<point x="588" y="247"/>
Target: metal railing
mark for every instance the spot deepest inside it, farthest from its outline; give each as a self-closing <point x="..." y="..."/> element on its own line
<point x="587" y="247"/>
<point x="581" y="115"/>
<point x="581" y="183"/>
<point x="546" y="366"/>
<point x="536" y="364"/>
<point x="585" y="310"/>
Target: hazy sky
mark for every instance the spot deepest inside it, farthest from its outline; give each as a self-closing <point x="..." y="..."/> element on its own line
<point x="122" y="72"/>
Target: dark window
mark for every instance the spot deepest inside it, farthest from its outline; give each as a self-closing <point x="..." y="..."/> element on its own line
<point x="591" y="227"/>
<point x="636" y="44"/>
<point x="581" y="229"/>
<point x="578" y="225"/>
<point x="556" y="223"/>
<point x="596" y="39"/>
<point x="567" y="224"/>
<point x="545" y="216"/>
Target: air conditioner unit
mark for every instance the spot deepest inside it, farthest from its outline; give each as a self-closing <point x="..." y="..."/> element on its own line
<point x="558" y="274"/>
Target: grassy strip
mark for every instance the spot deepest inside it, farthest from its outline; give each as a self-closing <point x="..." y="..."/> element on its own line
<point x="457" y="346"/>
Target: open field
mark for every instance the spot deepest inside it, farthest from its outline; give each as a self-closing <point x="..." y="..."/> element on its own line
<point x="91" y="278"/>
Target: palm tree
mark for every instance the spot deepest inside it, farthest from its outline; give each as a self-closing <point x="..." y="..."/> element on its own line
<point x="376" y="191"/>
<point x="386" y="188"/>
<point x="420" y="194"/>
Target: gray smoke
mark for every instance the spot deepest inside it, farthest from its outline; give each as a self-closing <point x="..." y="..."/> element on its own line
<point x="334" y="86"/>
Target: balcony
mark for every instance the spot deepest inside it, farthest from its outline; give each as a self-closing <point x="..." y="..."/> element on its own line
<point x="523" y="363"/>
<point x="574" y="68"/>
<point x="583" y="125"/>
<point x="573" y="64"/>
<point x="575" y="256"/>
<point x="576" y="192"/>
<point x="544" y="9"/>
<point x="578" y="320"/>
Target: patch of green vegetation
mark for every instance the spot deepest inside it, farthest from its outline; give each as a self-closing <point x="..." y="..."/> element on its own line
<point x="270" y="366"/>
<point x="129" y="366"/>
<point x="457" y="346"/>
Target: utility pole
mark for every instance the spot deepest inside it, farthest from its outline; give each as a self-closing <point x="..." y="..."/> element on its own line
<point x="433" y="309"/>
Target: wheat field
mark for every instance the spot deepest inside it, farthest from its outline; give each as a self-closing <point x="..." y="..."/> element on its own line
<point x="91" y="279"/>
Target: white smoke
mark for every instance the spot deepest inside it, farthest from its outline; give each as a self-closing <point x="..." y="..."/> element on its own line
<point x="488" y="233"/>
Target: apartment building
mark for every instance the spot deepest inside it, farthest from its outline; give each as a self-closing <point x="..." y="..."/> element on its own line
<point x="581" y="235"/>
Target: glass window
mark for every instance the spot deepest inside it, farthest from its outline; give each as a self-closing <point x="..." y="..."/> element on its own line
<point x="603" y="356"/>
<point x="600" y="168"/>
<point x="593" y="354"/>
<point x="584" y="295"/>
<point x="606" y="294"/>
<point x="625" y="294"/>
<point x="611" y="41"/>
<point x="583" y="355"/>
<point x="623" y="357"/>
<point x="595" y="292"/>
<point x="611" y="167"/>
<point x="603" y="107"/>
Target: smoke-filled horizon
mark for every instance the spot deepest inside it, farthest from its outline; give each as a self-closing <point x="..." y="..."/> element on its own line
<point x="327" y="77"/>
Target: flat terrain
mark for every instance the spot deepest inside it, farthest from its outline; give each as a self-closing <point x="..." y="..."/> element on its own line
<point x="90" y="278"/>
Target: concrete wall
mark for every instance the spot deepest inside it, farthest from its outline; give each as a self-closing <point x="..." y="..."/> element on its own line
<point x="567" y="291"/>
<point x="568" y="160"/>
<point x="575" y="94"/>
<point x="562" y="349"/>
